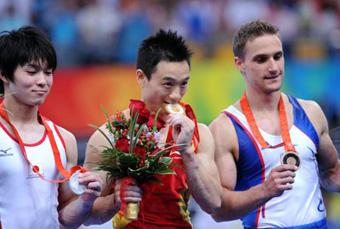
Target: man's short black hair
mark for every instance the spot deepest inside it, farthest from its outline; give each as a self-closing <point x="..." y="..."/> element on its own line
<point x="24" y="45"/>
<point x="164" y="46"/>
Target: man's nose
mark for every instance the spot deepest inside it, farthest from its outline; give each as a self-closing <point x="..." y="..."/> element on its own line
<point x="175" y="95"/>
<point x="273" y="66"/>
<point x="41" y="78"/>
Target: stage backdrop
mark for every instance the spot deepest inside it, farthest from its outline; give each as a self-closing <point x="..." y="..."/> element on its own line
<point x="79" y="95"/>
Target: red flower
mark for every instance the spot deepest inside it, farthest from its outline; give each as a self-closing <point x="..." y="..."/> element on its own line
<point x="140" y="151"/>
<point x="119" y="116"/>
<point x="137" y="106"/>
<point x="122" y="145"/>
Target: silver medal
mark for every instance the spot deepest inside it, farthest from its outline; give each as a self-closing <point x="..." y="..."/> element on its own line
<point x="74" y="184"/>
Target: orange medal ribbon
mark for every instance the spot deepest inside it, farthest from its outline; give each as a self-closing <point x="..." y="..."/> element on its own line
<point x="65" y="173"/>
<point x="288" y="146"/>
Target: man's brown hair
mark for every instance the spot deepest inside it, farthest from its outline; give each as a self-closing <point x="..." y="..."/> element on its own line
<point x="250" y="31"/>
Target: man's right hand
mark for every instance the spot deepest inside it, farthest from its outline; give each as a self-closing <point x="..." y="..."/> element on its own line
<point x="281" y="178"/>
<point x="129" y="193"/>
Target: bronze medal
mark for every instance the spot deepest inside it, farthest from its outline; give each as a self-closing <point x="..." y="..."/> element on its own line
<point x="291" y="158"/>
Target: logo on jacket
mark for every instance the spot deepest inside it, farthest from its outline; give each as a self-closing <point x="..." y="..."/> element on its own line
<point x="5" y="153"/>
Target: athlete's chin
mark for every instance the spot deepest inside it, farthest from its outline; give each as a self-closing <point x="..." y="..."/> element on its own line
<point x="164" y="116"/>
<point x="37" y="102"/>
<point x="270" y="90"/>
<point x="31" y="102"/>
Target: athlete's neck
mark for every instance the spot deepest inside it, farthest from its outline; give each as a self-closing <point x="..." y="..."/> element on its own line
<point x="20" y="113"/>
<point x="262" y="101"/>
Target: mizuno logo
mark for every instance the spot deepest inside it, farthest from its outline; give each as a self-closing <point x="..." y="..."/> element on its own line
<point x="4" y="152"/>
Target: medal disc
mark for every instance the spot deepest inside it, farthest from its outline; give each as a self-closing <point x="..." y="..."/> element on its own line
<point x="74" y="184"/>
<point x="291" y="158"/>
<point x="174" y="108"/>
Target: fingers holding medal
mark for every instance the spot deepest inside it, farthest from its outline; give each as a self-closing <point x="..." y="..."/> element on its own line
<point x="86" y="182"/>
<point x="74" y="184"/>
<point x="183" y="127"/>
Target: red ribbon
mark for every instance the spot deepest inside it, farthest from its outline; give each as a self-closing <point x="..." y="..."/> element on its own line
<point x="124" y="182"/>
<point x="65" y="173"/>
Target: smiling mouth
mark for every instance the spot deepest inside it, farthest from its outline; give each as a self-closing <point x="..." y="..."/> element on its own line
<point x="271" y="77"/>
<point x="40" y="92"/>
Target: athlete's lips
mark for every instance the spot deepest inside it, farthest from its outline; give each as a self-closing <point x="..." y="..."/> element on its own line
<point x="173" y="102"/>
<point x="40" y="92"/>
<point x="271" y="77"/>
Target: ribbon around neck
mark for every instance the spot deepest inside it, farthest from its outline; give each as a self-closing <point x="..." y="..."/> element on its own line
<point x="288" y="146"/>
<point x="56" y="154"/>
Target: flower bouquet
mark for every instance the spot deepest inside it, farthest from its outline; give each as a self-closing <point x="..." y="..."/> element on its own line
<point x="135" y="151"/>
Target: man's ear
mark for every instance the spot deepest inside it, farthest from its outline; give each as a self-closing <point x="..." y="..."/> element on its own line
<point x="239" y="64"/>
<point x="141" y="78"/>
<point x="3" y="78"/>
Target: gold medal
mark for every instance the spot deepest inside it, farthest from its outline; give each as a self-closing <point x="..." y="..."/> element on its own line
<point x="291" y="158"/>
<point x="174" y="108"/>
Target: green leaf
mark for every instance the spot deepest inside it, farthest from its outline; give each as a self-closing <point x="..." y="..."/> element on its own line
<point x="133" y="142"/>
<point x="107" y="117"/>
<point x="166" y="160"/>
<point x="165" y="171"/>
<point x="102" y="132"/>
<point x="154" y="129"/>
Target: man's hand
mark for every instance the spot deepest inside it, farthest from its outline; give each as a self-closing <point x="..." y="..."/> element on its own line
<point x="129" y="193"/>
<point x="281" y="178"/>
<point x="183" y="129"/>
<point x="93" y="183"/>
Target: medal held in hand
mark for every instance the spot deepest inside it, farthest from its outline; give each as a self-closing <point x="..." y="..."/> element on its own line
<point x="290" y="156"/>
<point x="74" y="184"/>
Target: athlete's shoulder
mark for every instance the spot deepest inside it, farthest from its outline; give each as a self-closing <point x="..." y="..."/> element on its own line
<point x="70" y="144"/>
<point x="202" y="127"/>
<point x="310" y="106"/>
<point x="222" y="126"/>
<point x="220" y="119"/>
<point x="204" y="131"/>
<point x="65" y="134"/>
<point x="223" y="120"/>
<point x="315" y="114"/>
